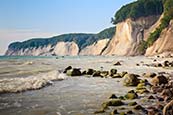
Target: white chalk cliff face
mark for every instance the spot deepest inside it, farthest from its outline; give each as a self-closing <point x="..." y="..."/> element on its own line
<point x="164" y="43"/>
<point x="95" y="49"/>
<point x="30" y="51"/>
<point x="129" y="35"/>
<point x="66" y="48"/>
<point x="61" y="49"/>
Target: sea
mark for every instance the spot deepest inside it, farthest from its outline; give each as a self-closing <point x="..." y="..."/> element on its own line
<point x="36" y="85"/>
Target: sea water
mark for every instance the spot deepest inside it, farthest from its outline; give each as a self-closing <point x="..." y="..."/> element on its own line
<point x="36" y="85"/>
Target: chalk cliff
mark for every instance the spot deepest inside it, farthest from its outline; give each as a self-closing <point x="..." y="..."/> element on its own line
<point x="129" y="35"/>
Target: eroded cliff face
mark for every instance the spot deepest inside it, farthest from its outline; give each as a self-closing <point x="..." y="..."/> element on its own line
<point x="129" y="35"/>
<point x="66" y="48"/>
<point x="164" y="43"/>
<point x="95" y="49"/>
<point x="61" y="49"/>
<point x="46" y="50"/>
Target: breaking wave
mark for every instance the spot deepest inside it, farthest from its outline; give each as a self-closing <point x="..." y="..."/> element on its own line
<point x="12" y="85"/>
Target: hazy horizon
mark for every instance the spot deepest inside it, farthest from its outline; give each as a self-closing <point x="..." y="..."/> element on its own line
<point x="23" y="20"/>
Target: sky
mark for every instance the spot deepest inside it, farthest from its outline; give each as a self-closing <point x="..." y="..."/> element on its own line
<point x="24" y="19"/>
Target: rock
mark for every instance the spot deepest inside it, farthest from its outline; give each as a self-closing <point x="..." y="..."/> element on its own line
<point x="96" y="74"/>
<point x="141" y="91"/>
<point x="151" y="97"/>
<point x="68" y="68"/>
<point x="130" y="80"/>
<point x="123" y="73"/>
<point x="116" y="76"/>
<point x="138" y="107"/>
<point x="168" y="109"/>
<point x="122" y="113"/>
<point x="117" y="64"/>
<point x="158" y="65"/>
<point x="149" y="75"/>
<point x="158" y="80"/>
<point x="131" y="96"/>
<point x="99" y="111"/>
<point x="113" y="102"/>
<point x="104" y="73"/>
<point x="113" y="71"/>
<point x="113" y="96"/>
<point x="129" y="112"/>
<point x="132" y="104"/>
<point x="167" y="92"/>
<point x="166" y="64"/>
<point x="114" y="112"/>
<point x="90" y="71"/>
<point x="74" y="72"/>
<point x="137" y="64"/>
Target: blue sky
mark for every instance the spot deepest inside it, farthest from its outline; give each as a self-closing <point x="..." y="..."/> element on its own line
<point x="24" y="19"/>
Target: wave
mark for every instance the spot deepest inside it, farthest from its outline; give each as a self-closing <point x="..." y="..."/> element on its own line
<point x="13" y="85"/>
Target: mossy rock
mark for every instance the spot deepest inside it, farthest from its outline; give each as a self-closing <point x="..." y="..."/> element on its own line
<point x="138" y="107"/>
<point x="99" y="111"/>
<point x="96" y="74"/>
<point x="123" y="73"/>
<point x="74" y="72"/>
<point x="114" y="112"/>
<point x="131" y="80"/>
<point x="67" y="68"/>
<point x="113" y="102"/>
<point x="90" y="71"/>
<point x="113" y="96"/>
<point x="131" y="96"/>
<point x="116" y="76"/>
<point x="113" y="71"/>
<point x="121" y="97"/>
<point x="141" y="91"/>
<point x="132" y="104"/>
<point x="122" y="113"/>
<point x="104" y="73"/>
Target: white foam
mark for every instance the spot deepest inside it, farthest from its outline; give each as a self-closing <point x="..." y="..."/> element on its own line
<point x="29" y="83"/>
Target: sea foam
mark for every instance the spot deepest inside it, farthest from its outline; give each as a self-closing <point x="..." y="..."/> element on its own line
<point x="29" y="83"/>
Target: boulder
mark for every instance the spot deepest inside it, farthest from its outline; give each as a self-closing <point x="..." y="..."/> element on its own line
<point x="113" y="96"/>
<point x="117" y="64"/>
<point x="149" y="75"/>
<point x="132" y="103"/>
<point x="131" y="80"/>
<point x="131" y="96"/>
<point x="74" y="72"/>
<point x="168" y="109"/>
<point x="158" y="80"/>
<point x="113" y="102"/>
<point x="90" y="71"/>
<point x="68" y="68"/>
<point x="96" y="74"/>
<point x="113" y="71"/>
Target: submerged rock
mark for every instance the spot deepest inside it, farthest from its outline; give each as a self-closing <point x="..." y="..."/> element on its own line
<point x="131" y="95"/>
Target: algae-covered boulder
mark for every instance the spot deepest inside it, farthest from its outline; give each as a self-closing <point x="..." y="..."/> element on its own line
<point x="97" y="74"/>
<point x="90" y="71"/>
<point x="113" y="102"/>
<point x="74" y="72"/>
<point x="132" y="103"/>
<point x="158" y="80"/>
<point x="113" y="71"/>
<point x="68" y="68"/>
<point x="131" y="80"/>
<point x="131" y="95"/>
